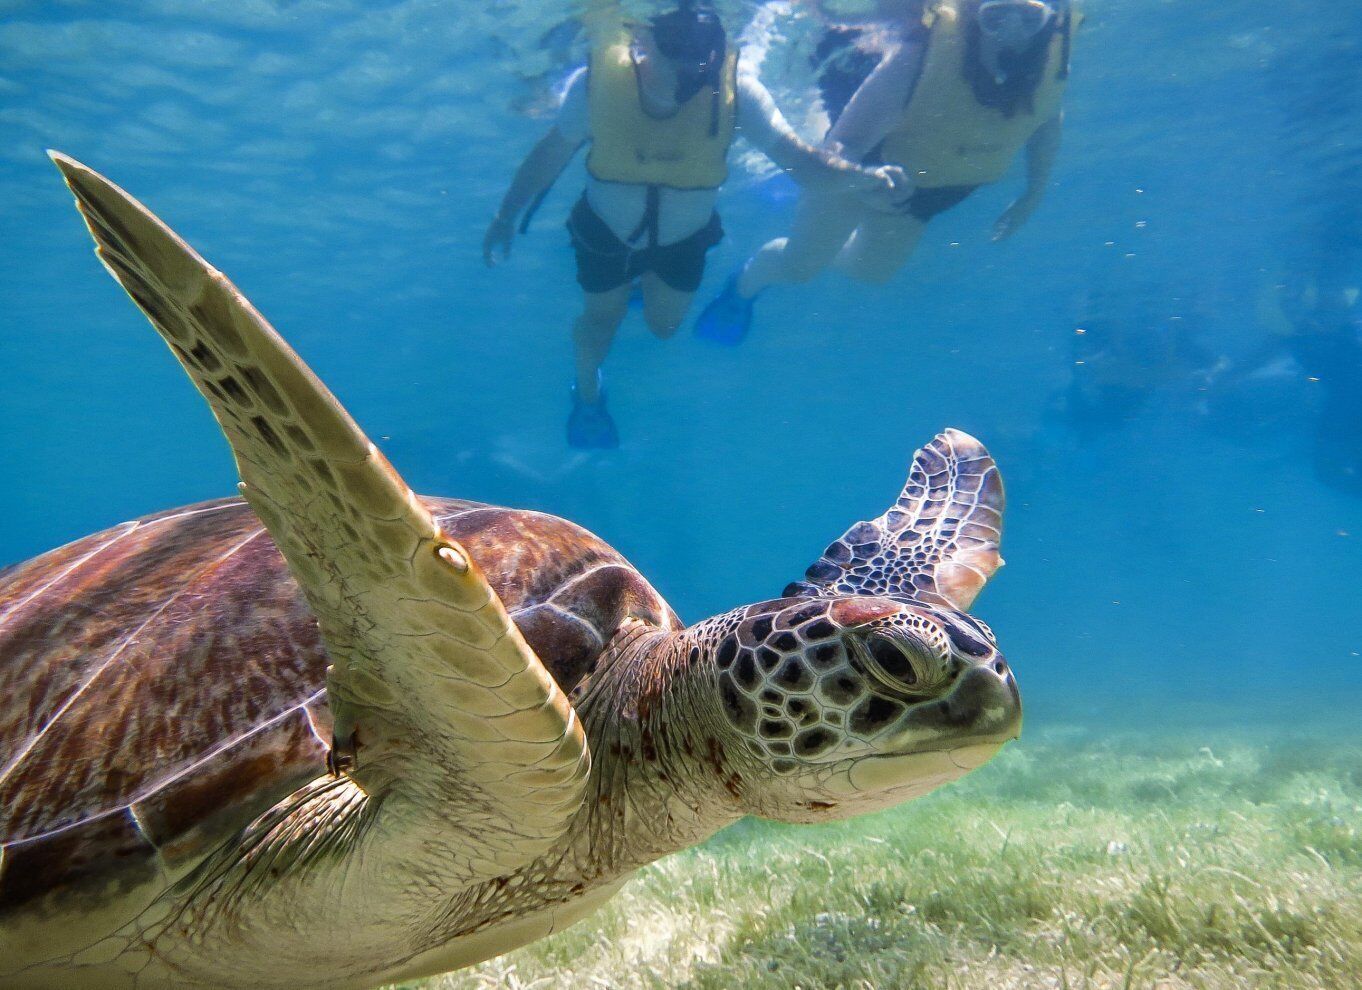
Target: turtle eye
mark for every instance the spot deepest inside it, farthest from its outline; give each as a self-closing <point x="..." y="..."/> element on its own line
<point x="893" y="661"/>
<point x="900" y="663"/>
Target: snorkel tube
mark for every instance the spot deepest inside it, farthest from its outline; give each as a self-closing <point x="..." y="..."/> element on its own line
<point x="692" y="37"/>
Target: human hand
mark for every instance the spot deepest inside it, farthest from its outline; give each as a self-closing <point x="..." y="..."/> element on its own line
<point x="1014" y="216"/>
<point x="886" y="187"/>
<point x="498" y="239"/>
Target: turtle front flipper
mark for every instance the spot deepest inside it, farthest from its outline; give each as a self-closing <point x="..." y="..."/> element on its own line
<point x="937" y="544"/>
<point x="433" y="691"/>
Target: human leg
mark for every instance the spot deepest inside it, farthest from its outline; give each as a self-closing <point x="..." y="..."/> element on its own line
<point x="880" y="247"/>
<point x="593" y="333"/>
<point x="589" y="425"/>
<point x="663" y="306"/>
<point x="821" y="227"/>
<point x="884" y="241"/>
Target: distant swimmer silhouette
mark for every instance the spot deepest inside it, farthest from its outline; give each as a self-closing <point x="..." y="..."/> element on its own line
<point x="957" y="89"/>
<point x="1321" y="334"/>
<point x="1134" y="343"/>
<point x="659" y="103"/>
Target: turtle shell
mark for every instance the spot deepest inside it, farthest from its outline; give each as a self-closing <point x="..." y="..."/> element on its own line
<point x="164" y="681"/>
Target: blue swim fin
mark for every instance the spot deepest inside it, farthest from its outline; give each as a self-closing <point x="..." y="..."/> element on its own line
<point x="590" y="425"/>
<point x="728" y="316"/>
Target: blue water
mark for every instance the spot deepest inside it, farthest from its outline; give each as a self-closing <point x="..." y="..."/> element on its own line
<point x="339" y="160"/>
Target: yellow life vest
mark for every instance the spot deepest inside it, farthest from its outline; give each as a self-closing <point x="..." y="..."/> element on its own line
<point x="946" y="137"/>
<point x="686" y="150"/>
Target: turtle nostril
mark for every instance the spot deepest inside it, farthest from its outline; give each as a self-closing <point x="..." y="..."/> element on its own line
<point x="892" y="660"/>
<point x="1000" y="665"/>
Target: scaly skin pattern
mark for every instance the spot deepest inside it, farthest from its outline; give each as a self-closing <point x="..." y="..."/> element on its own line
<point x="904" y="697"/>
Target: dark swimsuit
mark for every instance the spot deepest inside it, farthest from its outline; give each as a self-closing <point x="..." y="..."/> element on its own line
<point x="604" y="262"/>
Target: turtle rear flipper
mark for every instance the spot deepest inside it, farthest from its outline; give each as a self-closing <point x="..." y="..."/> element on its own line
<point x="937" y="544"/>
<point x="434" y="692"/>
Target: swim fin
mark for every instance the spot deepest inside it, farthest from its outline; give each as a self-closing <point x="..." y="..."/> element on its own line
<point x="728" y="316"/>
<point x="590" y="425"/>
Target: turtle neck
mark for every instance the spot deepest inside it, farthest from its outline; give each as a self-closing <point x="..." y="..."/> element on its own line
<point x="663" y="778"/>
<point x="659" y="780"/>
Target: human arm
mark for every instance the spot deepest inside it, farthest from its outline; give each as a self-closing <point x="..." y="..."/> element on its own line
<point x="762" y="123"/>
<point x="541" y="166"/>
<point x="535" y="175"/>
<point x="877" y="105"/>
<point x="1041" y="152"/>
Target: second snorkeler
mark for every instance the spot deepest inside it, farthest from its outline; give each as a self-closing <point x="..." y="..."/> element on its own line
<point x="958" y="88"/>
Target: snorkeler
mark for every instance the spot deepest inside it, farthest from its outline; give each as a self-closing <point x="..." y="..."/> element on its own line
<point x="659" y="103"/>
<point x="1322" y="336"/>
<point x="963" y="87"/>
<point x="1123" y="356"/>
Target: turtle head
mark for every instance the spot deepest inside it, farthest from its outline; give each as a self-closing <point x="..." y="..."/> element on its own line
<point x="850" y="704"/>
<point x="869" y="683"/>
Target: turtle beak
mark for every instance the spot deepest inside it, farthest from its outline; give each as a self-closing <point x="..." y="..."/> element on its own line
<point x="981" y="711"/>
<point x="986" y="700"/>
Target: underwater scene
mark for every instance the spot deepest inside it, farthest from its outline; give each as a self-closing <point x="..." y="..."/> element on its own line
<point x="810" y="313"/>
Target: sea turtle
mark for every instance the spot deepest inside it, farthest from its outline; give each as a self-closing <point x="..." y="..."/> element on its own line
<point x="384" y="736"/>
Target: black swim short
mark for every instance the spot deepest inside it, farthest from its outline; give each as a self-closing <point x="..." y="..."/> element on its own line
<point x="924" y="203"/>
<point x="604" y="262"/>
<point x="927" y="203"/>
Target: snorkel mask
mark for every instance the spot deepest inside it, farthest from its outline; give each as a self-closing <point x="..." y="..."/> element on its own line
<point x="1013" y="23"/>
<point x="693" y="39"/>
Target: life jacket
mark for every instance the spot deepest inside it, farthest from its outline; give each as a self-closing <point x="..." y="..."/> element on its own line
<point x="686" y="150"/>
<point x="946" y="137"/>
